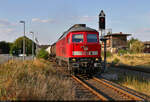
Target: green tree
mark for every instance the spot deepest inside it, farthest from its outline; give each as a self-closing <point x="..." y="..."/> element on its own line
<point x="131" y="41"/>
<point x="137" y="47"/>
<point x="42" y="54"/>
<point x="5" y="47"/>
<point x="17" y="47"/>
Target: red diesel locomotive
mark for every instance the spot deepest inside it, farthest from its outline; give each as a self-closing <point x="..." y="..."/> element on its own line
<point x="79" y="49"/>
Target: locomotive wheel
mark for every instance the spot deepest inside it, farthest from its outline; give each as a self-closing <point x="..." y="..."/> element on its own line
<point x="56" y="61"/>
<point x="89" y="72"/>
<point x="98" y="70"/>
<point x="77" y="70"/>
<point x="71" y="72"/>
<point x="74" y="71"/>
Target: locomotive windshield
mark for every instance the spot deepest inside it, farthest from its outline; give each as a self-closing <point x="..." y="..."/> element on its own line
<point x="77" y="38"/>
<point x="92" y="38"/>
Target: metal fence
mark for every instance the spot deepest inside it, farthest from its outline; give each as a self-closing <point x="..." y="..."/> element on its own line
<point x="7" y="57"/>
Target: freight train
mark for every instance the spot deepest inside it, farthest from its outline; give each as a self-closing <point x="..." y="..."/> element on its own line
<point x="79" y="50"/>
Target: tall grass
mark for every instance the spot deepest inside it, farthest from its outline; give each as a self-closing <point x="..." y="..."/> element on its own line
<point x="132" y="59"/>
<point x="33" y="80"/>
<point x="136" y="83"/>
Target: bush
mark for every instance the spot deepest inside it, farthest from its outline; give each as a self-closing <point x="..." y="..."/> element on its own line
<point x="122" y="52"/>
<point x="116" y="60"/>
<point x="108" y="53"/>
<point x="17" y="48"/>
<point x="137" y="47"/>
<point x="42" y="54"/>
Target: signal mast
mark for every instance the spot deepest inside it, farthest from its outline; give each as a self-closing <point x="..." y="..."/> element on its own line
<point x="102" y="38"/>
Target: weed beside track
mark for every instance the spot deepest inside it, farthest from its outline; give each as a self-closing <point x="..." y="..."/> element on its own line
<point x="33" y="80"/>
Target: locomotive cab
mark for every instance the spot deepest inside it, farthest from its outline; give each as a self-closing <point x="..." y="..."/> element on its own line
<point x="79" y="49"/>
<point x="86" y="55"/>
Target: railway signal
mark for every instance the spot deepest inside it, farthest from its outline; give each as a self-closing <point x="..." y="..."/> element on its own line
<point x="103" y="39"/>
<point x="102" y="20"/>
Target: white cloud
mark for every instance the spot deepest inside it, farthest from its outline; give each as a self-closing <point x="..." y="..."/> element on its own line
<point x="42" y="20"/>
<point x="6" y="30"/>
<point x="5" y="22"/>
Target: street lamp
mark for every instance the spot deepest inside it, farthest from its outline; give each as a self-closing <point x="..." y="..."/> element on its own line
<point x="32" y="43"/>
<point x="23" y="40"/>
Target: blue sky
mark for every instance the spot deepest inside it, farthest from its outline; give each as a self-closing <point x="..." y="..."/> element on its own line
<point x="48" y="19"/>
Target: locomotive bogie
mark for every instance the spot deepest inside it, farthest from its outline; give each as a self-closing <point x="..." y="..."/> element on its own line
<point x="86" y="65"/>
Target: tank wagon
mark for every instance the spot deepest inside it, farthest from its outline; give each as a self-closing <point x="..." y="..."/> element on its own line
<point x="79" y="49"/>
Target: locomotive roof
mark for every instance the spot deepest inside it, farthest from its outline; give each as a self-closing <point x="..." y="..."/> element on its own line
<point x="76" y="28"/>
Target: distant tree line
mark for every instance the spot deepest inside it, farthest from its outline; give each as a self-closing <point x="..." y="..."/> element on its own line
<point x="5" y="47"/>
<point x="16" y="47"/>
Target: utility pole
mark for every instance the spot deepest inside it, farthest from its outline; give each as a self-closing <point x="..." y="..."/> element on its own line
<point x="32" y="44"/>
<point x="23" y="40"/>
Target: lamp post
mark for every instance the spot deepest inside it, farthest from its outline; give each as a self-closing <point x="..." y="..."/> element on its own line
<point x="32" y="44"/>
<point x="23" y="40"/>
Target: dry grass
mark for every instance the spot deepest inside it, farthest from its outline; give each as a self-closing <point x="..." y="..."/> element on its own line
<point x="132" y="59"/>
<point x="33" y="80"/>
<point x="135" y="83"/>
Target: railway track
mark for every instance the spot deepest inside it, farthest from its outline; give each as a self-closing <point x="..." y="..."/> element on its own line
<point x="139" y="94"/>
<point x="105" y="91"/>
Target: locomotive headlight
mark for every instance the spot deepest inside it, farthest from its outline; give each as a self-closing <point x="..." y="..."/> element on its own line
<point x="96" y="59"/>
<point x="74" y="59"/>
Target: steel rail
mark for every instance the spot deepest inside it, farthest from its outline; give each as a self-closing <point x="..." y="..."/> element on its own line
<point x="101" y="97"/>
<point x="119" y="90"/>
<point x="123" y="87"/>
